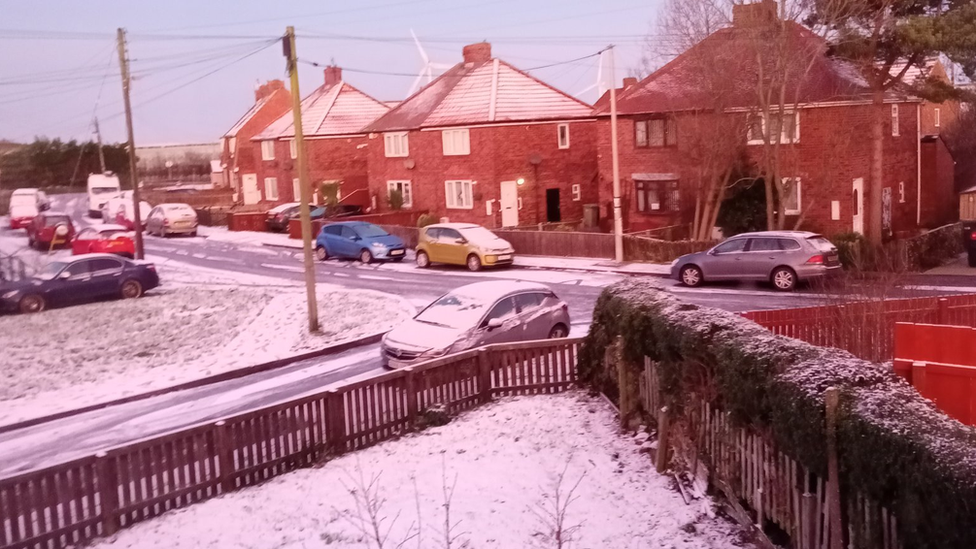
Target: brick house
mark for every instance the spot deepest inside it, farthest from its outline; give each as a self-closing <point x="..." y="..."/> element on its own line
<point x="236" y="148"/>
<point x="332" y="119"/>
<point x="486" y="143"/>
<point x="825" y="136"/>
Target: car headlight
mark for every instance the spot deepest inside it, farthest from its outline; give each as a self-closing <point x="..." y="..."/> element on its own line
<point x="9" y="294"/>
<point x="378" y="245"/>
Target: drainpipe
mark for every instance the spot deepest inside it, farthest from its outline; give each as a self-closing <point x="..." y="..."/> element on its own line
<point x="918" y="163"/>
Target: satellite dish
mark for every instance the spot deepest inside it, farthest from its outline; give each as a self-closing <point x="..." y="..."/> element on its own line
<point x="535" y="159"/>
<point x="409" y="163"/>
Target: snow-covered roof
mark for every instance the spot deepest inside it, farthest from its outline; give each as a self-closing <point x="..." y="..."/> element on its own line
<point x="336" y="109"/>
<point x="918" y="72"/>
<point x="478" y="93"/>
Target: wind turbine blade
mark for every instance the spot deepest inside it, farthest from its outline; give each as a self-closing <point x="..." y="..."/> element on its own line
<point x="423" y="54"/>
<point x="416" y="85"/>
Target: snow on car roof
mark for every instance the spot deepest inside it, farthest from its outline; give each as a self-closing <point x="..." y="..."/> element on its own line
<point x="106" y="227"/>
<point x="93" y="256"/>
<point x="498" y="288"/>
<point x="453" y="225"/>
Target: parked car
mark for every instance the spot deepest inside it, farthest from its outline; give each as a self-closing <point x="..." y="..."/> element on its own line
<point x="474" y="315"/>
<point x="330" y="212"/>
<point x="120" y="212"/>
<point x="24" y="206"/>
<point x="50" y="228"/>
<point x="783" y="258"/>
<point x="81" y="279"/>
<point x="279" y="216"/>
<point x="106" y="238"/>
<point x="358" y="240"/>
<point x="167" y="219"/>
<point x="462" y="244"/>
<point x="969" y="241"/>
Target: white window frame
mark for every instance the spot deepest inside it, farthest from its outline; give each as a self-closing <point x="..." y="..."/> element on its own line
<point x="895" y="130"/>
<point x="232" y="145"/>
<point x="559" y="136"/>
<point x="901" y="192"/>
<point x="799" y="196"/>
<point x="405" y="186"/>
<point x="835" y="210"/>
<point x="938" y="117"/>
<point x="296" y="189"/>
<point x="450" y="187"/>
<point x="293" y="149"/>
<point x="271" y="184"/>
<point x="267" y="150"/>
<point x="577" y="192"/>
<point x="396" y="144"/>
<point x="456" y="142"/>
<point x="782" y="137"/>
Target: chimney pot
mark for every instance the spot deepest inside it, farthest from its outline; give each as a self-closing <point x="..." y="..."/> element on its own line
<point x="757" y="14"/>
<point x="267" y="89"/>
<point x="629" y="81"/>
<point x="333" y="75"/>
<point x="477" y="53"/>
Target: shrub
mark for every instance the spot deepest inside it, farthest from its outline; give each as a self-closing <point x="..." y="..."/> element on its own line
<point x="849" y="248"/>
<point x="396" y="200"/>
<point x="330" y="193"/>
<point x="425" y="220"/>
<point x="895" y="447"/>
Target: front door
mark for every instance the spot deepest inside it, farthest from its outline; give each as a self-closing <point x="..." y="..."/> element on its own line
<point x="553" y="215"/>
<point x="251" y="193"/>
<point x="509" y="204"/>
<point x="857" y="206"/>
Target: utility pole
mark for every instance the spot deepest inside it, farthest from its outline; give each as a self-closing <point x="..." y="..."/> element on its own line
<point x="101" y="153"/>
<point x="288" y="45"/>
<point x="618" y="221"/>
<point x="136" y="214"/>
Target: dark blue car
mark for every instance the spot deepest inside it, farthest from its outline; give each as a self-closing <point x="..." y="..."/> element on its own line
<point x="82" y="278"/>
<point x="358" y="240"/>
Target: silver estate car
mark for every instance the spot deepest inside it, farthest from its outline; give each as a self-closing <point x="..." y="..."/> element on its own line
<point x="783" y="258"/>
<point x="475" y="315"/>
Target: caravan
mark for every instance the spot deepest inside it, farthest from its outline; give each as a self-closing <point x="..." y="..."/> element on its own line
<point x="101" y="186"/>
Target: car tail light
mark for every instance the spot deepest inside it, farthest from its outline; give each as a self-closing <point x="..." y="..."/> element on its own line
<point x="165" y="221"/>
<point x="972" y="235"/>
<point x="565" y="307"/>
<point x="816" y="260"/>
<point x="151" y="266"/>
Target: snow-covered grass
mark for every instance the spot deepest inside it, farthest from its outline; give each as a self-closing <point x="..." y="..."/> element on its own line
<point x="195" y="325"/>
<point x="503" y="462"/>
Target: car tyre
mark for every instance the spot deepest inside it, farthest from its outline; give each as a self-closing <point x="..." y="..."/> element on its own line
<point x="131" y="289"/>
<point x="558" y="331"/>
<point x="162" y="232"/>
<point x="321" y="253"/>
<point x="783" y="279"/>
<point x="365" y="257"/>
<point x="691" y="276"/>
<point x="423" y="260"/>
<point x="474" y="263"/>
<point x="32" y="303"/>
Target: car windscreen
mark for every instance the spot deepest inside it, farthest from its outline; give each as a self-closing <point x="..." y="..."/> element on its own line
<point x="51" y="270"/>
<point x="103" y="190"/>
<point x="479" y="235"/>
<point x="370" y="231"/>
<point x="55" y="220"/>
<point x="454" y="311"/>
<point x="821" y="244"/>
<point x="179" y="209"/>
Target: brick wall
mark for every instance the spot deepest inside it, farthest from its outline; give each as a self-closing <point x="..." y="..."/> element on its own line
<point x="939" y="201"/>
<point x="337" y="158"/>
<point x="249" y="152"/>
<point x="498" y="153"/>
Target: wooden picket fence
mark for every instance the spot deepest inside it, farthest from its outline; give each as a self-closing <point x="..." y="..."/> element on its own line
<point x="74" y="502"/>
<point x="866" y="328"/>
<point x="778" y="490"/>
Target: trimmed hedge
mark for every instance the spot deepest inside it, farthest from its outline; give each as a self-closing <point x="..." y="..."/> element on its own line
<point x="895" y="447"/>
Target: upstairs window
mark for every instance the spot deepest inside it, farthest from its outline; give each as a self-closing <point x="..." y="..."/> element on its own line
<point x="267" y="150"/>
<point x="785" y="125"/>
<point x="396" y="144"/>
<point x="456" y="142"/>
<point x="895" y="130"/>
<point x="562" y="135"/>
<point x="656" y="132"/>
<point x="293" y="149"/>
<point x="938" y="117"/>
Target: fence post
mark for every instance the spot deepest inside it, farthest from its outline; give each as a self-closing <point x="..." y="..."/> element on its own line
<point x="108" y="492"/>
<point x="809" y="522"/>
<point x="663" y="436"/>
<point x="411" y="393"/>
<point x="484" y="375"/>
<point x="225" y="457"/>
<point x="918" y="378"/>
<point x="832" y="398"/>
<point x="336" y="422"/>
<point x="943" y="315"/>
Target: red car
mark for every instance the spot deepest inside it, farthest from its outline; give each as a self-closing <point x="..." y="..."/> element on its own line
<point x="46" y="230"/>
<point x="104" y="239"/>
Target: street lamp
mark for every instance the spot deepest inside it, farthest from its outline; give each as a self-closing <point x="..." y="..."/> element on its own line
<point x="169" y="166"/>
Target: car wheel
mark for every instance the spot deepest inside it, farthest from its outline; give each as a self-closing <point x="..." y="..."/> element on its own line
<point x="162" y="232"/>
<point x="365" y="256"/>
<point x="32" y="304"/>
<point x="691" y="276"/>
<point x="423" y="260"/>
<point x="321" y="254"/>
<point x="474" y="263"/>
<point x="558" y="331"/>
<point x="131" y="289"/>
<point x="784" y="279"/>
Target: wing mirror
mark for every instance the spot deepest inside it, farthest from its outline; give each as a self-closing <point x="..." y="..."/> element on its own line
<point x="65" y="275"/>
<point x="461" y="241"/>
<point x="495" y="323"/>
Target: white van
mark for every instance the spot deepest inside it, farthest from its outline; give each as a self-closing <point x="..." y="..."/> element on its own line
<point x="25" y="205"/>
<point x="101" y="186"/>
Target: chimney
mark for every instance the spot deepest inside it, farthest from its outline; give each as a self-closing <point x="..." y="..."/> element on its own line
<point x="758" y="14"/>
<point x="333" y="75"/>
<point x="477" y="53"/>
<point x="629" y="81"/>
<point x="267" y="89"/>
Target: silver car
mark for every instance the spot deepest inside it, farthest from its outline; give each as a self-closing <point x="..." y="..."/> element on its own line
<point x="783" y="258"/>
<point x="475" y="315"/>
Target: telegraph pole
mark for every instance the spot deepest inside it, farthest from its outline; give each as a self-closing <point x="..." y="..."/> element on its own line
<point x="288" y="46"/>
<point x="136" y="214"/>
<point x="618" y="222"/>
<point x="101" y="153"/>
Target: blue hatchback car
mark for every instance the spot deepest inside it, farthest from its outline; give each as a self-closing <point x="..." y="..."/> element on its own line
<point x="358" y="240"/>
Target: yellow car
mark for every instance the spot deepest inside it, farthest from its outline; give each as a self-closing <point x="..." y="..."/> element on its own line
<point x="462" y="244"/>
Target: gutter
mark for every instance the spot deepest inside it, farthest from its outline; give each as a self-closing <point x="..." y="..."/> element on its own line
<point x="918" y="164"/>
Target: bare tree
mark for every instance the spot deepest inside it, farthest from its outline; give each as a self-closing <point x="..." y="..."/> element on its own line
<point x="451" y="536"/>
<point x="369" y="517"/>
<point x="553" y="512"/>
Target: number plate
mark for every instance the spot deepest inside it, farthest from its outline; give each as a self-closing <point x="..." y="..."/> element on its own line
<point x="504" y="257"/>
<point x="396" y="252"/>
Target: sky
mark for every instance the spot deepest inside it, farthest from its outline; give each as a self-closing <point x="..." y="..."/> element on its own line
<point x="196" y="63"/>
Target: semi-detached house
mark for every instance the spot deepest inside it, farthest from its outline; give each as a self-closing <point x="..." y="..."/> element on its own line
<point x="333" y="117"/>
<point x="486" y="143"/>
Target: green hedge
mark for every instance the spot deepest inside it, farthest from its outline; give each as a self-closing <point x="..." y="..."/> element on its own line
<point x="895" y="447"/>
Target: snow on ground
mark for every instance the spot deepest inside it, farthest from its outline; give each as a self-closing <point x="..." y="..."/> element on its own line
<point x="503" y="461"/>
<point x="198" y="323"/>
